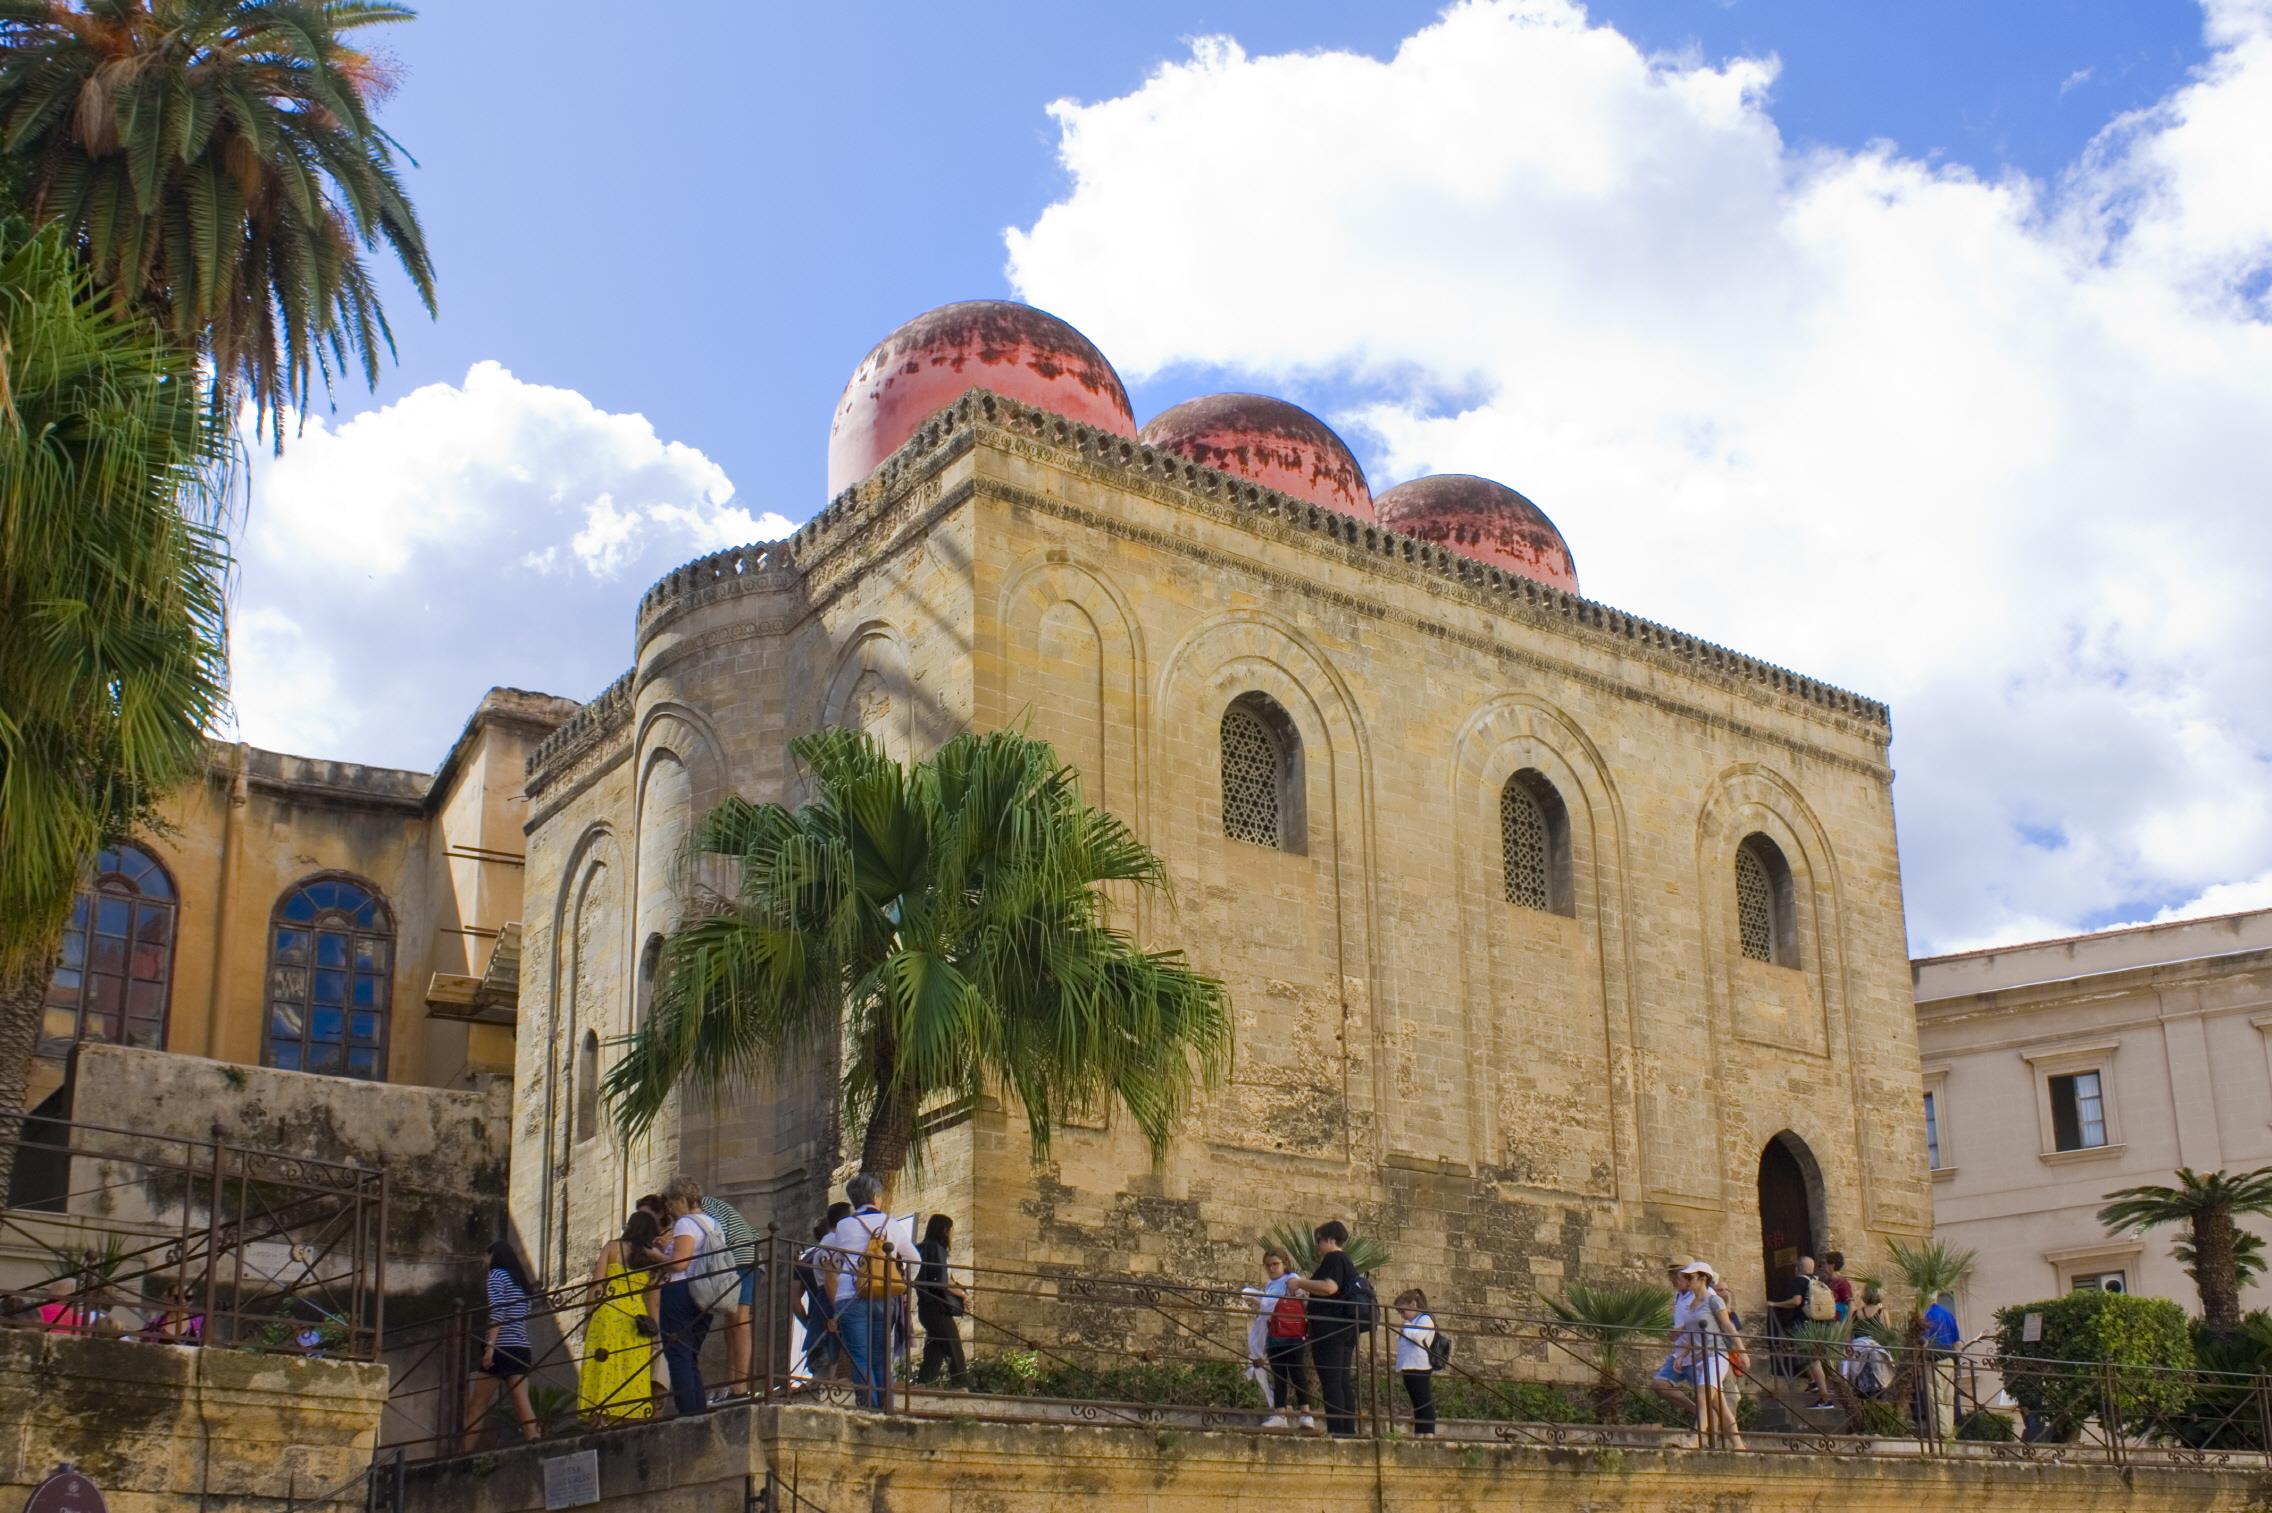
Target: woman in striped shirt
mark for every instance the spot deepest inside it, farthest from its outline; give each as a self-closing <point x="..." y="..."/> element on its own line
<point x="504" y="1347"/>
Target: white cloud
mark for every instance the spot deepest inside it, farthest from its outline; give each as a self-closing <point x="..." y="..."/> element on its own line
<point x="496" y="531"/>
<point x="2075" y="80"/>
<point x="1991" y="449"/>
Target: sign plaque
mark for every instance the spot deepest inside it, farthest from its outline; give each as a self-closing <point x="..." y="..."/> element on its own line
<point x="572" y="1481"/>
<point x="67" y="1491"/>
<point x="2031" y="1328"/>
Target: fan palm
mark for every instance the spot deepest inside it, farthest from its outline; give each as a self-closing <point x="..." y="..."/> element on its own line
<point x="2207" y="1205"/>
<point x="1931" y="1269"/>
<point x="942" y="926"/>
<point x="1612" y="1318"/>
<point x="112" y="578"/>
<point x="217" y="165"/>
<point x="1299" y="1242"/>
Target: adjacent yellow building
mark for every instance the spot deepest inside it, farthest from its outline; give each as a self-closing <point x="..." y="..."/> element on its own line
<point x="313" y="915"/>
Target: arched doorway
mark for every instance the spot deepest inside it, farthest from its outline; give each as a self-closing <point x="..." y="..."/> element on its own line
<point x="1790" y="1206"/>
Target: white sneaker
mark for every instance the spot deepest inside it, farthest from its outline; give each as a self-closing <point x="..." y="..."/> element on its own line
<point x="1308" y="1422"/>
<point x="1275" y="1421"/>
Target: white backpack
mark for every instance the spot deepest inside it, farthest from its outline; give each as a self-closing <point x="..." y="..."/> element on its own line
<point x="1822" y="1303"/>
<point x="711" y="1275"/>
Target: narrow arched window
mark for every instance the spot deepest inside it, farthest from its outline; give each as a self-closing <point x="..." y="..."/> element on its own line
<point x="1766" y="904"/>
<point x="1534" y="844"/>
<point x="116" y="972"/>
<point x="588" y="1086"/>
<point x="1262" y="790"/>
<point x="331" y="950"/>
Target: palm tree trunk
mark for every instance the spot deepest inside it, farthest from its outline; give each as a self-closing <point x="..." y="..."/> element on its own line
<point x="891" y="1131"/>
<point x="23" y="997"/>
<point x="2215" y="1272"/>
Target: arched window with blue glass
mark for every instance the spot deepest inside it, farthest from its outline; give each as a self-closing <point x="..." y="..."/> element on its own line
<point x="116" y="971"/>
<point x="330" y="951"/>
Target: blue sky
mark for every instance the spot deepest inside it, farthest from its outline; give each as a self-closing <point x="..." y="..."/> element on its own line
<point x="1919" y="347"/>
<point x="714" y="233"/>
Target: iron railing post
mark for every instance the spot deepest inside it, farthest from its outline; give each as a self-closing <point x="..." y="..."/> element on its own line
<point x="379" y="1274"/>
<point x="213" y="1247"/>
<point x="2110" y="1421"/>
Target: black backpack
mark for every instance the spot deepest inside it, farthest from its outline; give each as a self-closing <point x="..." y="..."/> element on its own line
<point x="1364" y="1306"/>
<point x="1439" y="1350"/>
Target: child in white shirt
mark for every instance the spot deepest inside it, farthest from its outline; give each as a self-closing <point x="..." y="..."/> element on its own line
<point x="1415" y="1336"/>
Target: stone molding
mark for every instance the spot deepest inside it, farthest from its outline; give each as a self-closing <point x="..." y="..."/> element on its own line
<point x="607" y="714"/>
<point x="981" y="415"/>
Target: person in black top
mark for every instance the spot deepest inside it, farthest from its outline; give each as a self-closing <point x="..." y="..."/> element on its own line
<point x="938" y="1304"/>
<point x="1333" y="1329"/>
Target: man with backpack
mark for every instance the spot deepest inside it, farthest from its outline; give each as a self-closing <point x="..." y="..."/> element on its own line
<point x="1812" y="1303"/>
<point x="873" y="1267"/>
<point x="1346" y="1311"/>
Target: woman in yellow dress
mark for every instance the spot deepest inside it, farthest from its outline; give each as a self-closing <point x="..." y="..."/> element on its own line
<point x="620" y="1337"/>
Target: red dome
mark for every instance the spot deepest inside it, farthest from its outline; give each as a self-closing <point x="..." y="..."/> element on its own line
<point x="927" y="364"/>
<point x="1278" y="445"/>
<point x="1484" y="520"/>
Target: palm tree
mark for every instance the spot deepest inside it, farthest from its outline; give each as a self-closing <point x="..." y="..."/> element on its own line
<point x="1299" y="1242"/>
<point x="1931" y="1269"/>
<point x="2207" y="1205"/>
<point x="943" y="926"/>
<point x="216" y="164"/>
<point x="1613" y="1317"/>
<point x="112" y="575"/>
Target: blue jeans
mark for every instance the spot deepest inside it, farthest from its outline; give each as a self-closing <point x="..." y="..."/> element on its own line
<point x="685" y="1326"/>
<point x="866" y="1328"/>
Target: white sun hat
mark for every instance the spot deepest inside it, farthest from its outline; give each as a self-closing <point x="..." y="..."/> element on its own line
<point x="1705" y="1267"/>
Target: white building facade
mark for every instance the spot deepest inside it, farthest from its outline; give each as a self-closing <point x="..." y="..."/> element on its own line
<point x="2059" y="1071"/>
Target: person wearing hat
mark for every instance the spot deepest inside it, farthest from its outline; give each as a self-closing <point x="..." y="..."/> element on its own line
<point x="1673" y="1375"/>
<point x="1706" y="1337"/>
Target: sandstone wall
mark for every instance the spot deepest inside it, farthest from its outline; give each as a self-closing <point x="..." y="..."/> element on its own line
<point x="1506" y="1096"/>
<point x="166" y="1429"/>
<point x="896" y="1465"/>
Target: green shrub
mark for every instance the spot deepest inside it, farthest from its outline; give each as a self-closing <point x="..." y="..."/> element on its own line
<point x="1985" y="1428"/>
<point x="2222" y="1413"/>
<point x="2098" y="1350"/>
<point x="1881" y="1420"/>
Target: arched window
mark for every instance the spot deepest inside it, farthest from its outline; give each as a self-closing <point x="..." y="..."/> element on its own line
<point x="588" y="1086"/>
<point x="330" y="950"/>
<point x="116" y="971"/>
<point x="1766" y="906"/>
<point x="1262" y="764"/>
<point x="1534" y="843"/>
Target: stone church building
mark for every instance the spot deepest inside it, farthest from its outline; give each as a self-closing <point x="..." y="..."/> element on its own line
<point x="1558" y="940"/>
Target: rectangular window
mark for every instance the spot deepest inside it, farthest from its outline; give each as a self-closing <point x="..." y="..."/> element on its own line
<point x="2078" y="1112"/>
<point x="2102" y="1281"/>
<point x="1932" y="1133"/>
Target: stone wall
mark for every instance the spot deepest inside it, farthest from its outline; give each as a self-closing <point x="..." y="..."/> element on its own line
<point x="166" y="1429"/>
<point x="837" y="1460"/>
<point x="1506" y="1096"/>
<point x="444" y="1150"/>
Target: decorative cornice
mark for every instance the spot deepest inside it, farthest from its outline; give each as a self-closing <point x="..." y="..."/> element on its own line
<point x="963" y="424"/>
<point x="608" y="713"/>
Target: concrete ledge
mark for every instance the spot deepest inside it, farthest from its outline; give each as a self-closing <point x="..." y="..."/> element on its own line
<point x="838" y="1459"/>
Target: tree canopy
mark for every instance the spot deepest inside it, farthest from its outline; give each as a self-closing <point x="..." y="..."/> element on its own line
<point x="217" y="165"/>
<point x="936" y="931"/>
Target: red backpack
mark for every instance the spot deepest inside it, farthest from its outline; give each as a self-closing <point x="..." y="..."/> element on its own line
<point x="1288" y="1319"/>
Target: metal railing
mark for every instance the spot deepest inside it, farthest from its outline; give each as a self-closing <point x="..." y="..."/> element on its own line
<point x="1070" y="1346"/>
<point x="191" y="1242"/>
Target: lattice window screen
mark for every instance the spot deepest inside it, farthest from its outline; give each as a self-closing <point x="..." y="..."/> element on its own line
<point x="1755" y="905"/>
<point x="1522" y="839"/>
<point x="1251" y="763"/>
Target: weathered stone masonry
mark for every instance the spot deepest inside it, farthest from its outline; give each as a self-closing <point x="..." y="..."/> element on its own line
<point x="1506" y="1096"/>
